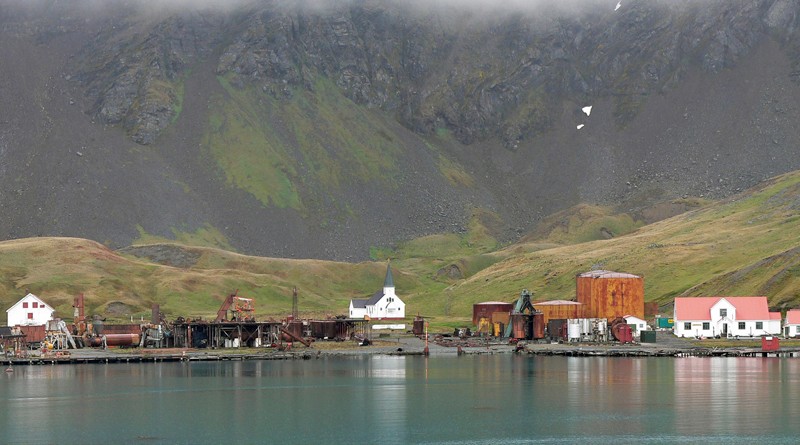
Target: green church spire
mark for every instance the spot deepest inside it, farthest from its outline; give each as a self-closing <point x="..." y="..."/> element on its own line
<point x="389" y="281"/>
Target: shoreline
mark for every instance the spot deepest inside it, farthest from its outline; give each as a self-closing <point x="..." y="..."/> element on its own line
<point x="403" y="346"/>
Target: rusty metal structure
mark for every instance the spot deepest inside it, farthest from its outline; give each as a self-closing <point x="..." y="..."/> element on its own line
<point x="418" y="326"/>
<point x="240" y="308"/>
<point x="521" y="320"/>
<point x="557" y="309"/>
<point x="607" y="294"/>
<point x="488" y="309"/>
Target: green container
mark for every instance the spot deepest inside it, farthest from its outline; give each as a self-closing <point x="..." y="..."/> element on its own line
<point x="647" y="337"/>
<point x="665" y="323"/>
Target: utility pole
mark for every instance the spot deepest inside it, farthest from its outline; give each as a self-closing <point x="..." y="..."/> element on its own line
<point x="294" y="303"/>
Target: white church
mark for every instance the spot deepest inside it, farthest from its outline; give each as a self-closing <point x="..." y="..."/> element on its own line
<point x="383" y="305"/>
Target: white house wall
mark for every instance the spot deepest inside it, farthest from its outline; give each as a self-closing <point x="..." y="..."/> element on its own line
<point x="736" y="328"/>
<point x="30" y="316"/>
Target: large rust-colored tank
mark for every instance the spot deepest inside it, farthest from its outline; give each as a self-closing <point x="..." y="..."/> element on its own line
<point x="486" y="309"/>
<point x="609" y="295"/>
<point x="557" y="309"/>
<point x="538" y="326"/>
<point x="520" y="326"/>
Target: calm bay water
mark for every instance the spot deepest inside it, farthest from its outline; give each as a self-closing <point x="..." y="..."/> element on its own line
<point x="397" y="400"/>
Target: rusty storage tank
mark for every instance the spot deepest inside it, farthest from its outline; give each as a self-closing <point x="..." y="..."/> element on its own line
<point x="538" y="326"/>
<point x="607" y="294"/>
<point x="418" y="328"/>
<point x="486" y="309"/>
<point x="520" y="326"/>
<point x="116" y="340"/>
<point x="558" y="309"/>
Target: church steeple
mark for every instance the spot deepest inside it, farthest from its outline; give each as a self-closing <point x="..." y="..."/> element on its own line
<point x="389" y="281"/>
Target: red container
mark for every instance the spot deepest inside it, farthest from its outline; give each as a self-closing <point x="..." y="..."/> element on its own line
<point x="770" y="344"/>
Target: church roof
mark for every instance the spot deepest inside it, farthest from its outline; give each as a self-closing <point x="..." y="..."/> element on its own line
<point x="361" y="303"/>
<point x="389" y="281"/>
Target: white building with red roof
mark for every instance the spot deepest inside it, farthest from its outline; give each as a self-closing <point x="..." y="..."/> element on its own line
<point x="725" y="317"/>
<point x="792" y="326"/>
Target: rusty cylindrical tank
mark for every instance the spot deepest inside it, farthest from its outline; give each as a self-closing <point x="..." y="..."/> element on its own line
<point x="520" y="326"/>
<point x="538" y="326"/>
<point x="419" y="326"/>
<point x="607" y="294"/>
<point x="116" y="340"/>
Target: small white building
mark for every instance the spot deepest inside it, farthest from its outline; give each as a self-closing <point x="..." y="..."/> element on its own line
<point x="725" y="317"/>
<point x="637" y="324"/>
<point x="31" y="311"/>
<point x="383" y="305"/>
<point x="791" y="327"/>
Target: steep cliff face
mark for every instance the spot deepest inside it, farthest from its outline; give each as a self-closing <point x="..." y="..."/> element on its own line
<point x="321" y="129"/>
<point x="480" y="76"/>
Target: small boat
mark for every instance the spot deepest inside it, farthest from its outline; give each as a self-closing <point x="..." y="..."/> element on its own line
<point x="9" y="369"/>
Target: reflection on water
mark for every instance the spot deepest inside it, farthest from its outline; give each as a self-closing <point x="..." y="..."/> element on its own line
<point x="453" y="400"/>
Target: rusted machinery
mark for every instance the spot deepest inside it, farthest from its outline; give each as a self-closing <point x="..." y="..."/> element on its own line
<point x="242" y="309"/>
<point x="621" y="331"/>
<point x="525" y="322"/>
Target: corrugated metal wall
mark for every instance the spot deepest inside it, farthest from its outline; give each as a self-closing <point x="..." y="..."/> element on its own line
<point x="485" y="310"/>
<point x="558" y="311"/>
<point x="611" y="297"/>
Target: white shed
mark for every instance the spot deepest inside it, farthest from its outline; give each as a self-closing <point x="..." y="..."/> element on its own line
<point x="30" y="310"/>
<point x="792" y="326"/>
<point x="637" y="324"/>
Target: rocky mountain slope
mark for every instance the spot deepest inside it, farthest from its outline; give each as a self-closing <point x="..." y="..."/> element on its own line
<point x="321" y="129"/>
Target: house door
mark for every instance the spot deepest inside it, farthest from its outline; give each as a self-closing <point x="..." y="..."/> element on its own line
<point x="786" y="330"/>
<point x="724" y="329"/>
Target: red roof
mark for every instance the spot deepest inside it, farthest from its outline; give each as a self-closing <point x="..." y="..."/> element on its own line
<point x="699" y="308"/>
<point x="694" y="308"/>
<point x="774" y="315"/>
<point x="793" y="316"/>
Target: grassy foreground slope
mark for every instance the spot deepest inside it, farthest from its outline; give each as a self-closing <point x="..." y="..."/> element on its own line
<point x="746" y="245"/>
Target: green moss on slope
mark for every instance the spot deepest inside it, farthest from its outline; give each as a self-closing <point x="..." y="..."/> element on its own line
<point x="288" y="152"/>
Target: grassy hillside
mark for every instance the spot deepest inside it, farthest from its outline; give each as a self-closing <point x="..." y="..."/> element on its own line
<point x="747" y="245"/>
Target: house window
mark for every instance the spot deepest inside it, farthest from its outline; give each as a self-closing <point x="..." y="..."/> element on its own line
<point x="25" y="305"/>
<point x="34" y="305"/>
<point x="687" y="326"/>
<point x="30" y="315"/>
<point x="759" y="325"/>
<point x="706" y="325"/>
<point x="723" y="312"/>
<point x="741" y="325"/>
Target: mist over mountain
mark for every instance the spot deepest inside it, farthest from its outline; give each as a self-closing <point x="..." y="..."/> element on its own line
<point x="322" y="129"/>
